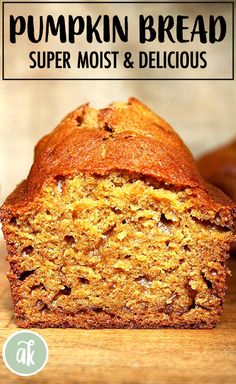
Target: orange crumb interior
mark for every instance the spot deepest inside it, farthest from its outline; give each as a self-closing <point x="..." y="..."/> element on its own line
<point x="116" y="249"/>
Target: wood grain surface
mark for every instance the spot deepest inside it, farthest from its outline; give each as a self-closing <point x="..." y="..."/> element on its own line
<point x="131" y="356"/>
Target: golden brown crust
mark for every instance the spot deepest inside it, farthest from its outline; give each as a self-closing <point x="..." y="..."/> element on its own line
<point x="124" y="137"/>
<point x="89" y="321"/>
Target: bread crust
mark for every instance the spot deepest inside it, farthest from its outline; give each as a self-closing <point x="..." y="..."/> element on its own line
<point x="127" y="137"/>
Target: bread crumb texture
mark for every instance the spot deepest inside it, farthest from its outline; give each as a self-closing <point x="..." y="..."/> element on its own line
<point x="116" y="251"/>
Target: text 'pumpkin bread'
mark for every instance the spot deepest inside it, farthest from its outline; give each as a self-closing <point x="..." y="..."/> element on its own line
<point x="114" y="227"/>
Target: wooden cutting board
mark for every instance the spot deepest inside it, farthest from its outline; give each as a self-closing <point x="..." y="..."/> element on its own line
<point x="131" y="356"/>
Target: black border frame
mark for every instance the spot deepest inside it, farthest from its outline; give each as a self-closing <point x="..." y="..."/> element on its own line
<point x="117" y="2"/>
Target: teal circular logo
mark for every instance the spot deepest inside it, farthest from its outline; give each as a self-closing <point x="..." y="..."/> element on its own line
<point x="25" y="353"/>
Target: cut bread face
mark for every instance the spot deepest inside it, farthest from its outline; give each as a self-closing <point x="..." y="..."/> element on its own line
<point x="120" y="250"/>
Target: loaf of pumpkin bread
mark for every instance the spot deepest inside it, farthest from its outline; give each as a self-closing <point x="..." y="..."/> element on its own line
<point x="218" y="167"/>
<point x="115" y="228"/>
